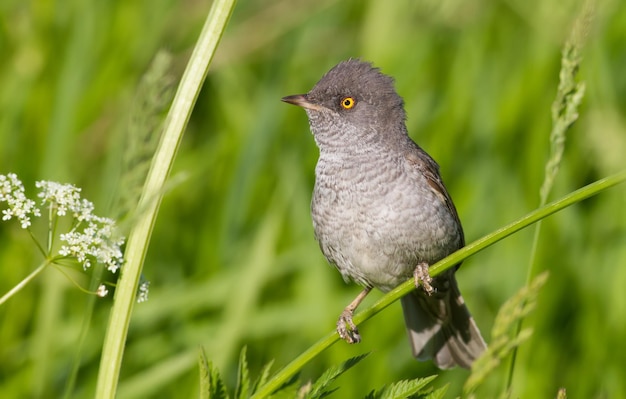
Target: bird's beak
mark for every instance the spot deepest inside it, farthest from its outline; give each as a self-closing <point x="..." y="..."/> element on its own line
<point x="301" y="101"/>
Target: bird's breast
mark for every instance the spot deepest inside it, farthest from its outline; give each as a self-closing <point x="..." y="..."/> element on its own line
<point x="375" y="222"/>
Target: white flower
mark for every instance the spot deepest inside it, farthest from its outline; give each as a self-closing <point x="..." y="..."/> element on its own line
<point x="102" y="291"/>
<point x="19" y="207"/>
<point x="64" y="198"/>
<point x="97" y="240"/>
<point x="142" y="296"/>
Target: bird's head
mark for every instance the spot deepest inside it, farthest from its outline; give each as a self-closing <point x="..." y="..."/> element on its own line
<point x="353" y="100"/>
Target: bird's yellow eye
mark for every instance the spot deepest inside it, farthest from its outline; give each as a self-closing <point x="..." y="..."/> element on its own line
<point x="348" y="102"/>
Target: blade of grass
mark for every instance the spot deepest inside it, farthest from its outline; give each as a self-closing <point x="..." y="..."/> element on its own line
<point x="153" y="96"/>
<point x="569" y="95"/>
<point x="150" y="200"/>
<point x="579" y="195"/>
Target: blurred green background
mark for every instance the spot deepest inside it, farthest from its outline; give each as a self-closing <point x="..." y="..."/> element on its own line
<point x="233" y="260"/>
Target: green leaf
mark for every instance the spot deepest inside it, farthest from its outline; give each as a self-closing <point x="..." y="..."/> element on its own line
<point x="401" y="389"/>
<point x="288" y="390"/>
<point x="205" y="379"/>
<point x="243" y="377"/>
<point x="437" y="393"/>
<point x="211" y="383"/>
<point x="320" y="388"/>
<point x="263" y="377"/>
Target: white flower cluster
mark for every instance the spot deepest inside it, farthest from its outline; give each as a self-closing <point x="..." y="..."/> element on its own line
<point x="142" y="294"/>
<point x="91" y="236"/>
<point x="19" y="207"/>
<point x="95" y="240"/>
<point x="63" y="198"/>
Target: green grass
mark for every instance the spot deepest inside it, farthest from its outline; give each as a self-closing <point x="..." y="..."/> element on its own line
<point x="232" y="260"/>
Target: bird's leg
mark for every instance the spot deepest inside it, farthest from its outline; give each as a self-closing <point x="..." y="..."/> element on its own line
<point x="422" y="276"/>
<point x="345" y="326"/>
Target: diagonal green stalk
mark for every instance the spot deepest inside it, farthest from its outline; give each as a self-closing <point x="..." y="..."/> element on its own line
<point x="139" y="237"/>
<point x="579" y="195"/>
<point x="18" y="287"/>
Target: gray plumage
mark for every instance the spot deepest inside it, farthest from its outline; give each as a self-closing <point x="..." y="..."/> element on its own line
<point x="379" y="207"/>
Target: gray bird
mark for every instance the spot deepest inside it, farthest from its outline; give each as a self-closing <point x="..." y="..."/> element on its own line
<point x="381" y="213"/>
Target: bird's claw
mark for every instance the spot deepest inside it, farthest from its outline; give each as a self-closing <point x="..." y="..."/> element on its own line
<point x="347" y="329"/>
<point x="422" y="277"/>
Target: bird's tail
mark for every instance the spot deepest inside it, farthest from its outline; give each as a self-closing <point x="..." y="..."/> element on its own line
<point x="441" y="328"/>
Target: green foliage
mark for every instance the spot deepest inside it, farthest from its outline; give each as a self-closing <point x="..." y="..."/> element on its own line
<point x="320" y="388"/>
<point x="438" y="393"/>
<point x="243" y="377"/>
<point x="569" y="96"/>
<point x="212" y="386"/>
<point x="232" y="258"/>
<point x="401" y="389"/>
<point x="141" y="136"/>
<point x="263" y="377"/>
<point x="504" y="337"/>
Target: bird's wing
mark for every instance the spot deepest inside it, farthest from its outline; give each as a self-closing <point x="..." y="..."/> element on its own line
<point x="430" y="170"/>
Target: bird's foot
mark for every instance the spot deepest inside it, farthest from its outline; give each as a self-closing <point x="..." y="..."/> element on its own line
<point x="347" y="329"/>
<point x="422" y="277"/>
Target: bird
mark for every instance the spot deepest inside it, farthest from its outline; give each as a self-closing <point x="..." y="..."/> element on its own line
<point x="381" y="213"/>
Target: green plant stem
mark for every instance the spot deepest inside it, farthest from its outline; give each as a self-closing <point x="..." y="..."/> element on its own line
<point x="72" y="280"/>
<point x="23" y="283"/>
<point x="569" y="95"/>
<point x="579" y="195"/>
<point x="36" y="241"/>
<point x="148" y="207"/>
<point x="72" y="375"/>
